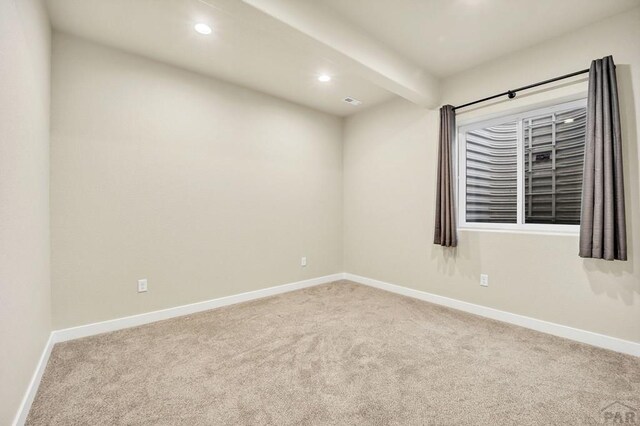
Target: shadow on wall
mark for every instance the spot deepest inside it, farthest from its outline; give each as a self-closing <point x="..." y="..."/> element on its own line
<point x="616" y="280"/>
<point x="607" y="277"/>
<point x="453" y="262"/>
<point x="464" y="260"/>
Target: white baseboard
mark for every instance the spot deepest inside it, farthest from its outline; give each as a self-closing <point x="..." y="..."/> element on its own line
<point x="29" y="396"/>
<point x="149" y="317"/>
<point x="583" y="336"/>
<point x="146" y="318"/>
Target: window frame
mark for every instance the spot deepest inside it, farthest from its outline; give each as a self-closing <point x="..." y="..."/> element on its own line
<point x="460" y="151"/>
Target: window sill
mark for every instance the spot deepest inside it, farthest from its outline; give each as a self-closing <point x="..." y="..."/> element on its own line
<point x="559" y="233"/>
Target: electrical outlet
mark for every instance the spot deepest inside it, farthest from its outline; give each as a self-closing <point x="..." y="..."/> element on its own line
<point x="142" y="285"/>
<point x="484" y="280"/>
<point x="303" y="262"/>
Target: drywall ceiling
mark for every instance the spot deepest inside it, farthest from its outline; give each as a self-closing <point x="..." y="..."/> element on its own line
<point x="246" y="47"/>
<point x="448" y="36"/>
<point x="373" y="49"/>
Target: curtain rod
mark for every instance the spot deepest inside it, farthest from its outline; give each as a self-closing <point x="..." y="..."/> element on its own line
<point x="512" y="93"/>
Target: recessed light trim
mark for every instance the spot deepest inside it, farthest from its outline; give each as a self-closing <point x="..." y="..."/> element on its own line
<point x="203" y="29"/>
<point x="324" y="78"/>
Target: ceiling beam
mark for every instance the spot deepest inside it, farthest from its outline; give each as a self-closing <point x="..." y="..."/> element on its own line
<point x="342" y="43"/>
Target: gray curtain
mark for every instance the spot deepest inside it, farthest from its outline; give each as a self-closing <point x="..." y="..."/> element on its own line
<point x="445" y="229"/>
<point x="602" y="224"/>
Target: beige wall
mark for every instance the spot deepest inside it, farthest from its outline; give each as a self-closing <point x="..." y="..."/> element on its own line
<point x="389" y="193"/>
<point x="208" y="189"/>
<point x="205" y="188"/>
<point x="25" y="298"/>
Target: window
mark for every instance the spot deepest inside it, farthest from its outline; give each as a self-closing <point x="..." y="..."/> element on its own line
<point x="523" y="171"/>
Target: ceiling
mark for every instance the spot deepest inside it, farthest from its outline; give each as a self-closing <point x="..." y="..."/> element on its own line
<point x="241" y="49"/>
<point x="374" y="50"/>
<point x="448" y="36"/>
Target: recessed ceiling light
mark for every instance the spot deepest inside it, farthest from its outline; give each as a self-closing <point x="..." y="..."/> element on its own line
<point x="324" y="78"/>
<point x="203" y="29"/>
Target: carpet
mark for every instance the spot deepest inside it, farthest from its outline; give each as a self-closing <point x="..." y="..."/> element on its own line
<point x="340" y="354"/>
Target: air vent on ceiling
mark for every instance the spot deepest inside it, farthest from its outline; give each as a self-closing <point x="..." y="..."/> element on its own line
<point x="352" y="101"/>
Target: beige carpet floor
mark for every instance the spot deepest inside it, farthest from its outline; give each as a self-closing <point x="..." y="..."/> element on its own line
<point x="339" y="353"/>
